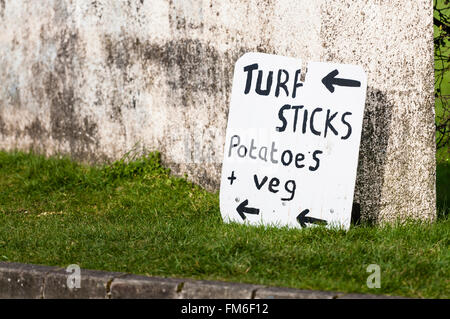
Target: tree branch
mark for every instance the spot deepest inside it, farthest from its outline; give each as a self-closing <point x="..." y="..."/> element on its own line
<point x="441" y="25"/>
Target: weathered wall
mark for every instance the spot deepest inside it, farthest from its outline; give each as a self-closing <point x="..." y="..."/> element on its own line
<point x="93" y="78"/>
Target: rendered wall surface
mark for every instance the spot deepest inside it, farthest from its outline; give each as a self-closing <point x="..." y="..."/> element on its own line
<point x="95" y="79"/>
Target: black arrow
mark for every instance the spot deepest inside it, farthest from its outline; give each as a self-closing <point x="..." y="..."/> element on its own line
<point x="331" y="79"/>
<point x="242" y="208"/>
<point x="302" y="219"/>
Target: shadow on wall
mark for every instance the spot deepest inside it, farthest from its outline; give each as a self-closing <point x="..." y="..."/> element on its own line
<point x="372" y="157"/>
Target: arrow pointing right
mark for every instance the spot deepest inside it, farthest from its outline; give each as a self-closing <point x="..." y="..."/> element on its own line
<point x="303" y="219"/>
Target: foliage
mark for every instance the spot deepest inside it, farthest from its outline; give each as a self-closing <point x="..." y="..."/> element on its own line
<point x="442" y="75"/>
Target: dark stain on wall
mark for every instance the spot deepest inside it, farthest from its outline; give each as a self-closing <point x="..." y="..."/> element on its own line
<point x="190" y="65"/>
<point x="36" y="130"/>
<point x="2" y="8"/>
<point x="56" y="86"/>
<point x="3" y="130"/>
<point x="61" y="87"/>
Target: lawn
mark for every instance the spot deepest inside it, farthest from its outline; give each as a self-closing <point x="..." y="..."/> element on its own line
<point x="138" y="218"/>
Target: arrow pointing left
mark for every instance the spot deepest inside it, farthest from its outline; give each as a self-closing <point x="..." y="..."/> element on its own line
<point x="330" y="80"/>
<point x="242" y="208"/>
<point x="303" y="219"/>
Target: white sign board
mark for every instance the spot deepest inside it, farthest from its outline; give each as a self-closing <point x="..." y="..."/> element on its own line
<point x="291" y="149"/>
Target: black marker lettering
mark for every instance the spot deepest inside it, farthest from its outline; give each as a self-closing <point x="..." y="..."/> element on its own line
<point x="311" y="168"/>
<point x="296" y="83"/>
<point x="296" y="108"/>
<point x="257" y="184"/>
<point x="328" y="124"/>
<point x="305" y="121"/>
<point x="286" y="163"/>
<point x="349" y="131"/>
<point x="274" y="182"/>
<point x="299" y="158"/>
<point x="249" y="69"/>
<point x="290" y="190"/>
<point x="282" y="84"/>
<point x="311" y="120"/>
<point x="282" y="118"/>
<point x="258" y="89"/>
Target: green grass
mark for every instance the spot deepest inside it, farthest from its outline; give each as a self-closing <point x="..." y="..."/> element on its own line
<point x="137" y="218"/>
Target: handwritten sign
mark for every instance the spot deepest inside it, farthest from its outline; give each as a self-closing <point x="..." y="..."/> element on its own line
<point x="291" y="149"/>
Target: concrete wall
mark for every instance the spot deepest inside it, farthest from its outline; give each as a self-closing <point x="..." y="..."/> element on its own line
<point x="94" y="78"/>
